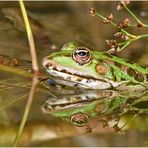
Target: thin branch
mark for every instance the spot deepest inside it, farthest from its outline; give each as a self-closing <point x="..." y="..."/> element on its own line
<point x="120" y="49"/>
<point x="132" y="37"/>
<point x="30" y="38"/>
<point x="134" y="16"/>
<point x="114" y="24"/>
<point x="27" y="109"/>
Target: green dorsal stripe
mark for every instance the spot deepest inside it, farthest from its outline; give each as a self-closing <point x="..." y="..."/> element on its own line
<point x="137" y="67"/>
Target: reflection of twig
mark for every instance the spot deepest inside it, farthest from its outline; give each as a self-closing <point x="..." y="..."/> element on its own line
<point x="23" y="85"/>
<point x="10" y="103"/>
<point x="27" y="109"/>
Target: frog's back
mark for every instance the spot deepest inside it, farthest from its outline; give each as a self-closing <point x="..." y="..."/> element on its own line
<point x="124" y="70"/>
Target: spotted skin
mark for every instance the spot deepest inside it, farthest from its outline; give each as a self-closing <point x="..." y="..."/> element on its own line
<point x="92" y="69"/>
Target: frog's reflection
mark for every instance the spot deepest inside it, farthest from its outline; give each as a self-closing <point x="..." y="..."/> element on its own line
<point x="80" y="108"/>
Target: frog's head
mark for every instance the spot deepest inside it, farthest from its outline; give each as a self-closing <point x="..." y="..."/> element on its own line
<point x="78" y="66"/>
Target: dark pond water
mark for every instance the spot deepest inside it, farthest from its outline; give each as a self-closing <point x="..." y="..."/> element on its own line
<point x="73" y="117"/>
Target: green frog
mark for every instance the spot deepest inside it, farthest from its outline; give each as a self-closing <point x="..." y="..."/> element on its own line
<point x="78" y="66"/>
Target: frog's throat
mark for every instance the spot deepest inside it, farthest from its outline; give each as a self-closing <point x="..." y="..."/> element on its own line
<point x="76" y="78"/>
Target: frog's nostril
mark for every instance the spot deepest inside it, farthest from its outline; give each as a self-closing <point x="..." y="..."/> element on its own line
<point x="46" y="63"/>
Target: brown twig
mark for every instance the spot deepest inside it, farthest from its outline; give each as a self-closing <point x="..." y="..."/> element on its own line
<point x="30" y="38"/>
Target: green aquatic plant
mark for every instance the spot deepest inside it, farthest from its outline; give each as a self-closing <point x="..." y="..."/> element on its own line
<point x="122" y="34"/>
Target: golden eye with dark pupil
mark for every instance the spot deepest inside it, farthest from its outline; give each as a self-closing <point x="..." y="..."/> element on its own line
<point x="81" y="55"/>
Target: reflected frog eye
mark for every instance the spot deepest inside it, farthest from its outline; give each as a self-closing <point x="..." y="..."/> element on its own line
<point x="79" y="119"/>
<point x="81" y="55"/>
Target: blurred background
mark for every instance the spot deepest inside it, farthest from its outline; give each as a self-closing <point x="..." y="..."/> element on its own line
<point x="68" y="21"/>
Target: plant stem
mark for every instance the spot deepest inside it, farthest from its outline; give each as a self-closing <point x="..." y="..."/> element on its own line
<point x="143" y="36"/>
<point x="122" y="43"/>
<point x="134" y="16"/>
<point x="133" y="37"/>
<point x="102" y="17"/>
<point x="30" y="38"/>
<point x="126" y="43"/>
<point x="130" y="35"/>
<point x="120" y="49"/>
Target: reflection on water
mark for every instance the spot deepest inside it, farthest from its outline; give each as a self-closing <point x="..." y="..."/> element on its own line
<point x="107" y="104"/>
<point x="65" y="114"/>
<point x="73" y="117"/>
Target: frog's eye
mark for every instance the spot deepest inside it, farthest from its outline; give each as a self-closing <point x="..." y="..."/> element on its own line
<point x="79" y="119"/>
<point x="81" y="55"/>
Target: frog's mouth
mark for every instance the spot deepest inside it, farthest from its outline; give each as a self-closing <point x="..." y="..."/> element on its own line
<point x="58" y="70"/>
<point x="76" y="78"/>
